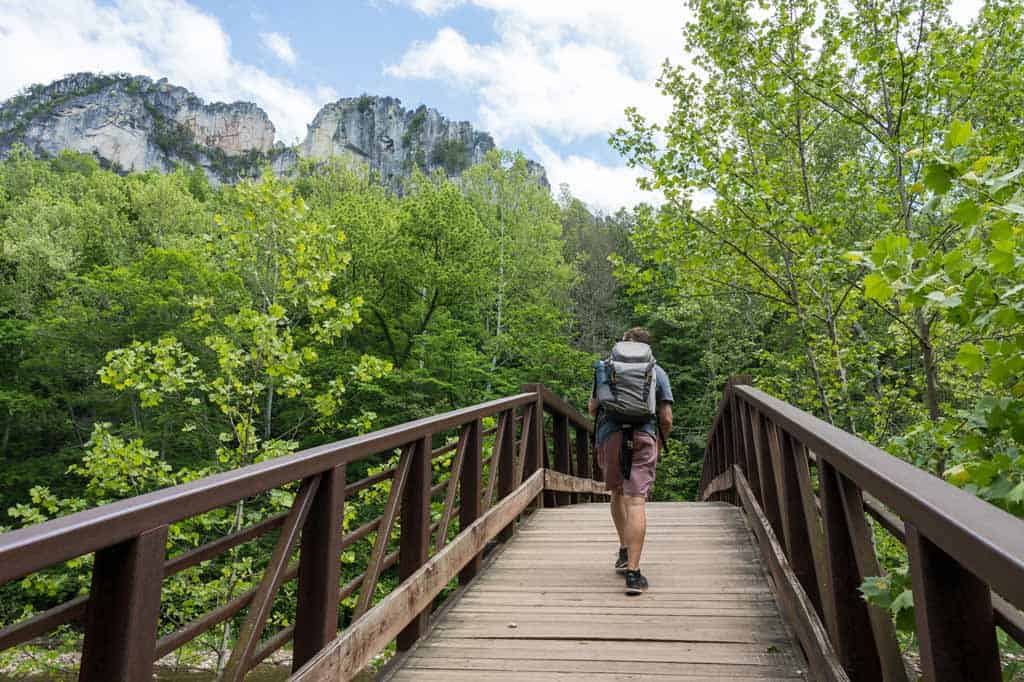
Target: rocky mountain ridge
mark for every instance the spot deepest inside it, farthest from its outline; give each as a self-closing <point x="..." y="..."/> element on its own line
<point x="133" y="123"/>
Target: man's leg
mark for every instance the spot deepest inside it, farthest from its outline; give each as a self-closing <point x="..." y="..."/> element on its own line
<point x="635" y="528"/>
<point x="618" y="506"/>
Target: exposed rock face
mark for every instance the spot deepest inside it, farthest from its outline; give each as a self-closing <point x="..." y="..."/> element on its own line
<point x="391" y="139"/>
<point x="135" y="124"/>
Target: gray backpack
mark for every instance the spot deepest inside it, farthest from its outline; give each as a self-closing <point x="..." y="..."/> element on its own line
<point x="625" y="383"/>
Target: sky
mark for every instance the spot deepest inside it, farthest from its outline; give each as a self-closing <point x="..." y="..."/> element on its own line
<point x="550" y="78"/>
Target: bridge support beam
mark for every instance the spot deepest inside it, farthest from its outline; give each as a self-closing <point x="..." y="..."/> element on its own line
<point x="316" y="615"/>
<point x="953" y="610"/>
<point x="470" y="483"/>
<point x="563" y="456"/>
<point x="415" y="539"/>
<point x="582" y="461"/>
<point x="854" y="640"/>
<point x="124" y="607"/>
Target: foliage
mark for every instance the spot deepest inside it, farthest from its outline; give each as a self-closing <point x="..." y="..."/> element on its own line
<point x="452" y="155"/>
<point x="155" y="330"/>
<point x="843" y="222"/>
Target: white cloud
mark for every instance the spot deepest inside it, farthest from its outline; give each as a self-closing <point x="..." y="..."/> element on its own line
<point x="43" y="40"/>
<point x="601" y="187"/>
<point x="964" y="11"/>
<point x="280" y="46"/>
<point x="561" y="71"/>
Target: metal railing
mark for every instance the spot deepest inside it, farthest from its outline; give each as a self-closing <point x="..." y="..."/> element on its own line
<point x="120" y="615"/>
<point x="808" y="488"/>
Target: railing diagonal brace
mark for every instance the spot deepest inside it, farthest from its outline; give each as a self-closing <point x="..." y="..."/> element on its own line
<point x="524" y="445"/>
<point x="493" y="468"/>
<point x="273" y="576"/>
<point x="387" y="522"/>
<point x="453" y="483"/>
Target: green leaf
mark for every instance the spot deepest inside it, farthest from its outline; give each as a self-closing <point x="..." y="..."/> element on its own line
<point x="966" y="213"/>
<point x="959" y="133"/>
<point x="937" y="179"/>
<point x="876" y="287"/>
<point x="969" y="357"/>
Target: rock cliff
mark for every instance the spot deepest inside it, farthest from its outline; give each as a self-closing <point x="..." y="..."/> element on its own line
<point x="133" y="123"/>
<point x="393" y="140"/>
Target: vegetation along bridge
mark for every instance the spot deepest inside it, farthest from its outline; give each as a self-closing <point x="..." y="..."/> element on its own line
<point x="513" y="579"/>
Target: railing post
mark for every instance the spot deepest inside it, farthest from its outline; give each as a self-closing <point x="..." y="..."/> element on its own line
<point x="507" y="464"/>
<point x="316" y="614"/>
<point x="953" y="610"/>
<point x="753" y="462"/>
<point x="535" y="455"/>
<point x="766" y="466"/>
<point x="123" y="610"/>
<point x="582" y="460"/>
<point x="415" y="538"/>
<point x="855" y="642"/>
<point x="795" y="520"/>
<point x="563" y="458"/>
<point x="470" y="482"/>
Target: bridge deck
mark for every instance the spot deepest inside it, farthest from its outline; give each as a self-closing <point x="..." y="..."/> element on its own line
<point x="551" y="607"/>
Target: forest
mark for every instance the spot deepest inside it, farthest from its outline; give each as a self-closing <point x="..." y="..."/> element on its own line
<point x="843" y="220"/>
<point x="157" y="330"/>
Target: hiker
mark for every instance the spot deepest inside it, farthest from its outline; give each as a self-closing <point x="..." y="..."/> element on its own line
<point x="632" y="404"/>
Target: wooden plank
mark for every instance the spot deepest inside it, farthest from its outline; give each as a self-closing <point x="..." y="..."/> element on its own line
<point x="497" y="676"/>
<point x="551" y="665"/>
<point x="953" y="611"/>
<point x="719" y="484"/>
<point x="736" y="653"/>
<point x="350" y="652"/>
<point x="800" y="612"/>
<point x="697" y="631"/>
<point x="710" y="614"/>
<point x="557" y="481"/>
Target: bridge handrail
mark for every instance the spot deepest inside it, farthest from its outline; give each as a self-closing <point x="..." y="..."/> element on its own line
<point x="129" y="536"/>
<point x="39" y="546"/>
<point x="964" y="552"/>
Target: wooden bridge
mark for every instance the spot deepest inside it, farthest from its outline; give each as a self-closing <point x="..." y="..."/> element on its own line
<point x="757" y="581"/>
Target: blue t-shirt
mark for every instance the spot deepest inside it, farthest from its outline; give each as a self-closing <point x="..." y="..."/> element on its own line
<point x="663" y="393"/>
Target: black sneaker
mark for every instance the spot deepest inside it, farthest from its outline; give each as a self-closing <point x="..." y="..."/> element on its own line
<point x="623" y="561"/>
<point x="635" y="583"/>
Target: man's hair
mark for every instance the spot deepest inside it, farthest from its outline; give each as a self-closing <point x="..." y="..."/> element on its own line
<point x="638" y="334"/>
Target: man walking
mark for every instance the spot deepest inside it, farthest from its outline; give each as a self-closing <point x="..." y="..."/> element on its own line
<point x="632" y="405"/>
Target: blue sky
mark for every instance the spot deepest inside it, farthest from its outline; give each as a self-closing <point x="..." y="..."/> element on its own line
<point x="548" y="77"/>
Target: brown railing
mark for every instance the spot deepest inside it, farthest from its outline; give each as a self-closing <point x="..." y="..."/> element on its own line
<point x="966" y="556"/>
<point x="120" y="615"/>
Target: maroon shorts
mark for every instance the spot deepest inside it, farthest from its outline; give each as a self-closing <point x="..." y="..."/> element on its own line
<point x="645" y="461"/>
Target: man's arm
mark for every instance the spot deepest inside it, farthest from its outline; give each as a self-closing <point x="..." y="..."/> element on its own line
<point x="592" y="407"/>
<point x="665" y="421"/>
